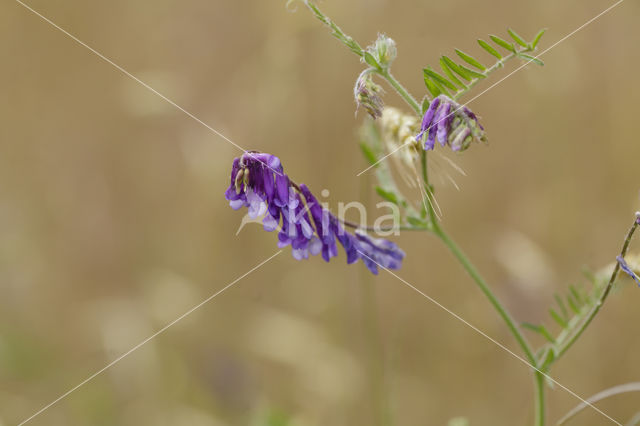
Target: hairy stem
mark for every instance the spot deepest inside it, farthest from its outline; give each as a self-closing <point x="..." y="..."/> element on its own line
<point x="399" y="88"/>
<point x="353" y="45"/>
<point x="336" y="31"/>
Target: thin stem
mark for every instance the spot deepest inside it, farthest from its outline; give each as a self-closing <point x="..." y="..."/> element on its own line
<point x="431" y="214"/>
<point x="596" y="308"/>
<point x="540" y="403"/>
<point x="353" y="45"/>
<point x="399" y="88"/>
<point x="473" y="272"/>
<point x="336" y="31"/>
<point x="495" y="302"/>
<point x="484" y="287"/>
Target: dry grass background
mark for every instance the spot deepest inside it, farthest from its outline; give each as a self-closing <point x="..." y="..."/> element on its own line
<point x="113" y="222"/>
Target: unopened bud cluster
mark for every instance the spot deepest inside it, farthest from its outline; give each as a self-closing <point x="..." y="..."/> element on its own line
<point x="368" y="95"/>
<point x="383" y="50"/>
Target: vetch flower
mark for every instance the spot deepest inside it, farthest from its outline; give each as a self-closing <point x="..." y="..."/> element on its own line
<point x="367" y="94"/>
<point x="377" y="251"/>
<point x="258" y="182"/>
<point x="450" y="124"/>
<point x="398" y="131"/>
<point x="627" y="269"/>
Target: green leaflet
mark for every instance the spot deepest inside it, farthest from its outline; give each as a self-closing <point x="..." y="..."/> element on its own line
<point x="447" y="70"/>
<point x="368" y="153"/>
<point x="455" y="68"/>
<point x="537" y="38"/>
<point x="470" y="60"/>
<point x="503" y="43"/>
<point x="531" y="59"/>
<point x="517" y="38"/>
<point x="472" y="72"/>
<point x="557" y="318"/>
<point x="540" y="329"/>
<point x="417" y="222"/>
<point x="428" y="72"/>
<point x="370" y="60"/>
<point x="486" y="46"/>
<point x="388" y="195"/>
<point x="432" y="87"/>
<point x="461" y="77"/>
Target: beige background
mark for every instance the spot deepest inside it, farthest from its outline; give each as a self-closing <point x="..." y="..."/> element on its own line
<point x="113" y="221"/>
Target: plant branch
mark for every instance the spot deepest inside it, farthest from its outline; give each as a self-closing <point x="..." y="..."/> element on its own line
<point x="399" y="88"/>
<point x="567" y="343"/>
<point x="336" y="31"/>
<point x="495" y="302"/>
<point x="486" y="73"/>
<point x="484" y="287"/>
<point x="353" y="45"/>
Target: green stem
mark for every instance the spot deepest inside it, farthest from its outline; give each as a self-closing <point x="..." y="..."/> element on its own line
<point x="336" y="31"/>
<point x="502" y="311"/>
<point x="540" y="407"/>
<point x="353" y="45"/>
<point x="596" y="308"/>
<point x="495" y="302"/>
<point x="399" y="88"/>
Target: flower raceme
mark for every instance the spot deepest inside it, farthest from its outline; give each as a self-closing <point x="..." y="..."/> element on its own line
<point x="451" y="124"/>
<point x="259" y="183"/>
<point x="367" y="95"/>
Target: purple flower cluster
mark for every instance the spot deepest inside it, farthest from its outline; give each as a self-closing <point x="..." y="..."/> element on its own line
<point x="367" y="95"/>
<point x="258" y="182"/>
<point x="451" y="124"/>
<point x="625" y="267"/>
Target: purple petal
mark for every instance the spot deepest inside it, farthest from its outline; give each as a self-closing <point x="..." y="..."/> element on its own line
<point x="236" y="204"/>
<point x="458" y="141"/>
<point x="315" y="246"/>
<point x="442" y="121"/>
<point x="281" y="198"/>
<point x="431" y="139"/>
<point x="270" y="223"/>
<point x="428" y="118"/>
<point x="627" y="269"/>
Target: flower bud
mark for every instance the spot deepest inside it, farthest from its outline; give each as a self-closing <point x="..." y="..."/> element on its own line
<point x="367" y="95"/>
<point x="383" y="50"/>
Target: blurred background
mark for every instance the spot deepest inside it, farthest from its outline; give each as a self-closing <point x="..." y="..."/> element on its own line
<point x="113" y="221"/>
